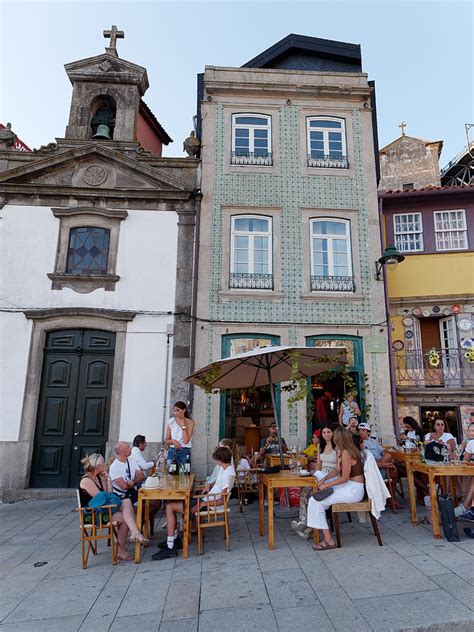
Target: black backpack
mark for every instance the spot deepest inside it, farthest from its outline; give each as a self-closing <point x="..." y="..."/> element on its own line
<point x="448" y="520"/>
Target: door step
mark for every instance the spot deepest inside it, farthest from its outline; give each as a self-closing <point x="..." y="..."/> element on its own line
<point x="35" y="493"/>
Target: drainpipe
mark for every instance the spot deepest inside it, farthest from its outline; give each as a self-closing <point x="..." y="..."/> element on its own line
<point x="192" y="346"/>
<point x="389" y="332"/>
<point x="169" y="333"/>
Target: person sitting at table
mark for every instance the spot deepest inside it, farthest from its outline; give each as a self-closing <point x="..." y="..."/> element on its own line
<point x="412" y="434"/>
<point x="440" y="434"/>
<point x="465" y="511"/>
<point x="224" y="483"/>
<point x="352" y="427"/>
<point x="97" y="480"/>
<point x="326" y="461"/>
<point x="382" y="458"/>
<point x="231" y="445"/>
<point x="343" y="484"/>
<point x="138" y="446"/>
<point x="270" y="445"/>
<point x="312" y="450"/>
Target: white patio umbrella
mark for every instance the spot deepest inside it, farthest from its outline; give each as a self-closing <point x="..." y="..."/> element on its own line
<point x="269" y="366"/>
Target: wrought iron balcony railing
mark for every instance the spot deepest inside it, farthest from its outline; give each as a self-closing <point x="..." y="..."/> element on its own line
<point x="332" y="283"/>
<point x="447" y="368"/>
<point x="328" y="160"/>
<point x="249" y="281"/>
<point x="251" y="158"/>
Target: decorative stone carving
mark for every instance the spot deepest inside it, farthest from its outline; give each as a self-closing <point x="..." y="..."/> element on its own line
<point x="192" y="145"/>
<point x="46" y="149"/>
<point x="95" y="175"/>
<point x="105" y="66"/>
<point x="7" y="137"/>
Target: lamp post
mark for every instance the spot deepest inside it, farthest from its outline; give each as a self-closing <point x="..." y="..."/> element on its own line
<point x="391" y="257"/>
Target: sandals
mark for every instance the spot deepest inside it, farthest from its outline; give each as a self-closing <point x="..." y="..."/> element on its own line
<point x="324" y="546"/>
<point x="138" y="537"/>
<point x="124" y="556"/>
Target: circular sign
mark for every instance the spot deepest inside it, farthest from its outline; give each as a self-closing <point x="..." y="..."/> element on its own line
<point x="408" y="335"/>
<point x="464" y="324"/>
<point x="417" y="311"/>
<point x="408" y="322"/>
<point x="397" y="345"/>
<point x="447" y="311"/>
<point x="426" y="313"/>
<point x="95" y="175"/>
<point x="436" y="309"/>
<point x="467" y="343"/>
<point x="456" y="309"/>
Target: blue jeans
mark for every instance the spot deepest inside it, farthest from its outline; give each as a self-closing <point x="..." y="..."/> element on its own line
<point x="181" y="455"/>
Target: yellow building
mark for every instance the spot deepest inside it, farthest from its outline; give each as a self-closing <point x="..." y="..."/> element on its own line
<point x="431" y="293"/>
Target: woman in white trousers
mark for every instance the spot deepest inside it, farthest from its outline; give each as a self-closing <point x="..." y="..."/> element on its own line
<point x="346" y="482"/>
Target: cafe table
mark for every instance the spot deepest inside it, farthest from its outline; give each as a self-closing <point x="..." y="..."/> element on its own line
<point x="433" y="471"/>
<point x="269" y="482"/>
<point x="171" y="488"/>
<point x="273" y="460"/>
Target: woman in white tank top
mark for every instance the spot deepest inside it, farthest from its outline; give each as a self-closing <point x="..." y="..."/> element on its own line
<point x="179" y="434"/>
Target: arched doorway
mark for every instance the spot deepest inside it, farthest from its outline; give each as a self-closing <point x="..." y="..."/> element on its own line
<point x="74" y="404"/>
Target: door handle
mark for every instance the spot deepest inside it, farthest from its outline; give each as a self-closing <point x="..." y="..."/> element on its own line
<point x="78" y="421"/>
<point x="75" y="447"/>
<point x="76" y="434"/>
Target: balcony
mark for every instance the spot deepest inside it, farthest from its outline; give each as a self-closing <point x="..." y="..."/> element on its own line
<point x="328" y="161"/>
<point x="332" y="284"/>
<point x="264" y="159"/>
<point x="249" y="281"/>
<point x="421" y="369"/>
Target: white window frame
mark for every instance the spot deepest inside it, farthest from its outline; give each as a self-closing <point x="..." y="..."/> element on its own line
<point x="326" y="131"/>
<point x="251" y="235"/>
<point x="330" y="239"/>
<point x="442" y="234"/>
<point x="399" y="244"/>
<point x="252" y="129"/>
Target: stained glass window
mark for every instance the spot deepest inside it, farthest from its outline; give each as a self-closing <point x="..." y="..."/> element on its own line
<point x="88" y="250"/>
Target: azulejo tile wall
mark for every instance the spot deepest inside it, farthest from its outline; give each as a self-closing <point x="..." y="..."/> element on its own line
<point x="289" y="191"/>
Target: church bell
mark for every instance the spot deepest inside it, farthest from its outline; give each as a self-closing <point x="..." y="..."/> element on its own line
<point x="102" y="133"/>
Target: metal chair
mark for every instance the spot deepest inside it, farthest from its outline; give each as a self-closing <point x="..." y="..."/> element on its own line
<point x="95" y="525"/>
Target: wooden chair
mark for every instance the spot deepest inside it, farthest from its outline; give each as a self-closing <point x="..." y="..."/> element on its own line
<point x="96" y="525"/>
<point x="391" y="484"/>
<point x="364" y="505"/>
<point x="212" y="515"/>
<point x="247" y="483"/>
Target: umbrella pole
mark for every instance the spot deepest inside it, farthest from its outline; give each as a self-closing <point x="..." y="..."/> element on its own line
<point x="277" y="421"/>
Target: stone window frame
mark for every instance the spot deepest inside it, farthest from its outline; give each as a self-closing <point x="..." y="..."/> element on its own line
<point x="272" y="213"/>
<point x="335" y="111"/>
<point x="86" y="217"/>
<point x="350" y="215"/>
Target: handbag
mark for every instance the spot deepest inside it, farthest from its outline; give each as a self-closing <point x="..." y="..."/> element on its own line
<point x="105" y="498"/>
<point x="448" y="519"/>
<point x="323" y="494"/>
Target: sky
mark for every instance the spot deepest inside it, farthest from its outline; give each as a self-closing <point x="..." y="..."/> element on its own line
<point x="419" y="53"/>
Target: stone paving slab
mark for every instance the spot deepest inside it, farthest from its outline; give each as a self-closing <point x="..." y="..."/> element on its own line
<point x="412" y="583"/>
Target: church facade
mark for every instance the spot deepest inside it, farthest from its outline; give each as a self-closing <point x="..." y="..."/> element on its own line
<point x="97" y="235"/>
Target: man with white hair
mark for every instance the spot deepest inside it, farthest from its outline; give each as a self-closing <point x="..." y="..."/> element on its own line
<point x="126" y="475"/>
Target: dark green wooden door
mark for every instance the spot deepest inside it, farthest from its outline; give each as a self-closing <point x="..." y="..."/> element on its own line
<point x="74" y="406"/>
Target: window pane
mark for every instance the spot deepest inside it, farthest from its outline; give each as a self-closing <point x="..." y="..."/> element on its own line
<point x="258" y="225"/>
<point x="323" y="123"/>
<point x="260" y="133"/>
<point x="260" y="143"/>
<point x="241" y="242"/>
<point x="329" y="228"/>
<point x="241" y="223"/>
<point x="241" y="256"/>
<point x="250" y="120"/>
<point x="335" y="136"/>
<point x="241" y="133"/>
<point x="316" y="135"/>
<point x="88" y="251"/>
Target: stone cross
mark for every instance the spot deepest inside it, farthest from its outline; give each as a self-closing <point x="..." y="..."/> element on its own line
<point x="114" y="35"/>
<point x="402" y="127"/>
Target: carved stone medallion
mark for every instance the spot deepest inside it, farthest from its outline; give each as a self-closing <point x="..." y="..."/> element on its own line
<point x="105" y="65"/>
<point x="95" y="175"/>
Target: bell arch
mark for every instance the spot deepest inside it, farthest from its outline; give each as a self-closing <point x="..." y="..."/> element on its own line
<point x="103" y="112"/>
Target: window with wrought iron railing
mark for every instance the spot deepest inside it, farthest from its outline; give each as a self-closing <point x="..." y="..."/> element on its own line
<point x="251" y="140"/>
<point x="326" y="140"/>
<point x="331" y="264"/>
<point x="251" y="252"/>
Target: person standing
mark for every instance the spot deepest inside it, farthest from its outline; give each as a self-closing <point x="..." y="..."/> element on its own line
<point x="179" y="434"/>
<point x="322" y="409"/>
<point x="349" y="408"/>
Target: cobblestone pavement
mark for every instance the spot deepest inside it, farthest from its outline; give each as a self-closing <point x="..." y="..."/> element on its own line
<point x="412" y="582"/>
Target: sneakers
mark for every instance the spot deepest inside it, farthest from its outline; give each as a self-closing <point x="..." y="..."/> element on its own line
<point x="468" y="515"/>
<point x="178" y="544"/>
<point x="469" y="532"/>
<point x="164" y="554"/>
<point x="460" y="509"/>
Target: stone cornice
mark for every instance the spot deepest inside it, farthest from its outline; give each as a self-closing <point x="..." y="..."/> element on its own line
<point x="284" y="90"/>
<point x="61" y="312"/>
<point x="90" y="210"/>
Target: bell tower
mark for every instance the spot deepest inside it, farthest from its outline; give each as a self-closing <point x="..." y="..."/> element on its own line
<point x="106" y="92"/>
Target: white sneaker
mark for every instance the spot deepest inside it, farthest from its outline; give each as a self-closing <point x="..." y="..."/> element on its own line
<point x="460" y="509"/>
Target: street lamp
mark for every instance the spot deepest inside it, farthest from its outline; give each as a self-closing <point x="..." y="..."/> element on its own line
<point x="391" y="257"/>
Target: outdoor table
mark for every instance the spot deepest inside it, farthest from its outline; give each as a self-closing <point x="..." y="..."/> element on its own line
<point x="272" y="481"/>
<point x="172" y="488"/>
<point x="402" y="456"/>
<point x="453" y="468"/>
<point x="274" y="459"/>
